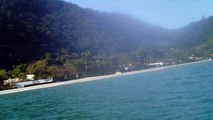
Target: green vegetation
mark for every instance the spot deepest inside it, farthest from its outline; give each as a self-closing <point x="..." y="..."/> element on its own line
<point x="39" y="69"/>
<point x="3" y="76"/>
<point x="19" y="71"/>
<point x="32" y="30"/>
<point x="53" y="38"/>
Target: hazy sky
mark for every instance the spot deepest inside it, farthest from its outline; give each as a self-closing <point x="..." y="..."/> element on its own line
<point x="167" y="13"/>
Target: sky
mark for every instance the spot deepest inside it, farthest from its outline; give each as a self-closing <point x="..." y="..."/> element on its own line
<point x="167" y="13"/>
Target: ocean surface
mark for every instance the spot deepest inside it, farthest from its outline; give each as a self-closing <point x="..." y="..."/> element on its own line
<point x="177" y="93"/>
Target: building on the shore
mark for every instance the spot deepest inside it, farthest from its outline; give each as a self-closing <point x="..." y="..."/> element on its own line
<point x="11" y="81"/>
<point x="34" y="82"/>
<point x="156" y="64"/>
<point x="16" y="80"/>
<point x="30" y="77"/>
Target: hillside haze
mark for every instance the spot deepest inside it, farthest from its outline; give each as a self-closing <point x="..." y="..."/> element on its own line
<point x="31" y="30"/>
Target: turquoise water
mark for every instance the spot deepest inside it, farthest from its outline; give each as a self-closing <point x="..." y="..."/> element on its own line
<point x="180" y="93"/>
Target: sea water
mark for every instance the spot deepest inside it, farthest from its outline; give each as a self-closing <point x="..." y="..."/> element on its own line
<point x="177" y="93"/>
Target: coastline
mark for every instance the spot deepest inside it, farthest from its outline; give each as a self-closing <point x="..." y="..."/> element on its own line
<point x="94" y="78"/>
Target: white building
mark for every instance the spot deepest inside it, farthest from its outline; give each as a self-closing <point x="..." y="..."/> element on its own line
<point x="156" y="64"/>
<point x="30" y="77"/>
<point x="10" y="81"/>
<point x="34" y="82"/>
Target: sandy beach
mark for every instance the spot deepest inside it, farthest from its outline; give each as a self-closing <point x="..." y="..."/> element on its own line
<point x="93" y="78"/>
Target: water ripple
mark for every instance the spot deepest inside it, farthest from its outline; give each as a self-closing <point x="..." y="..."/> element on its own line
<point x="181" y="93"/>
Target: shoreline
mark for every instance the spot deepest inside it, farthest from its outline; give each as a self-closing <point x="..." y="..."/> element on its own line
<point x="87" y="79"/>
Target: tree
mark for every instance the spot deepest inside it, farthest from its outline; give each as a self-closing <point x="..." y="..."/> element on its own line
<point x="39" y="69"/>
<point x="47" y="56"/>
<point x="19" y="71"/>
<point x="71" y="67"/>
<point x="56" y="71"/>
<point x="3" y="76"/>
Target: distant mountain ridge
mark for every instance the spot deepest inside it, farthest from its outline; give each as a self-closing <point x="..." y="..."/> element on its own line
<point x="31" y="28"/>
<point x="198" y="36"/>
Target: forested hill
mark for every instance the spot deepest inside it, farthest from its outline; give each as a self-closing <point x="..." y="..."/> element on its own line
<point x="32" y="30"/>
<point x="197" y="36"/>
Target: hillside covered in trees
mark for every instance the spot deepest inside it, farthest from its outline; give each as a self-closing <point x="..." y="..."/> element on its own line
<point x="60" y="39"/>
